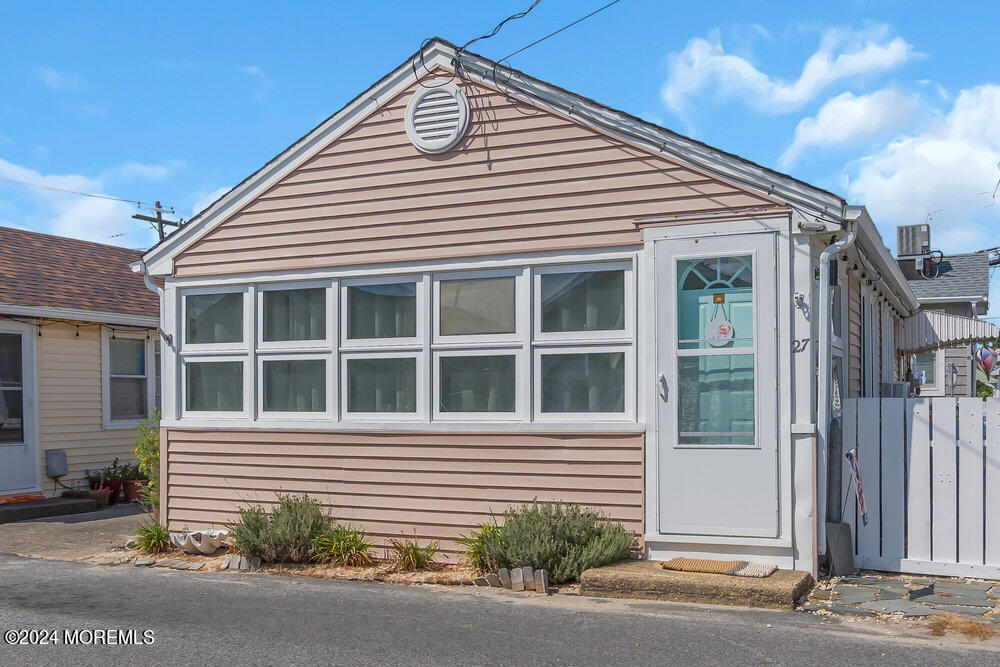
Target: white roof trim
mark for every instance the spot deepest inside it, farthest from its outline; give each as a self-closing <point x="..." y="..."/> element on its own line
<point x="438" y="53"/>
<point x="875" y="252"/>
<point x="926" y="331"/>
<point x="52" y="312"/>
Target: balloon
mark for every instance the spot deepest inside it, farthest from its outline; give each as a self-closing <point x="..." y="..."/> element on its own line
<point x="986" y="360"/>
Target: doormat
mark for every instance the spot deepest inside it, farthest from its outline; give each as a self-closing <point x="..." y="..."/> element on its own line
<point x="734" y="568"/>
<point x="21" y="498"/>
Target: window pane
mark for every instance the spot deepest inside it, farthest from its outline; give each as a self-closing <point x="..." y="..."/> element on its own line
<point x="926" y="362"/>
<point x="11" y="416"/>
<point x="215" y="318"/>
<point x="477" y="384"/>
<point x="10" y="360"/>
<point x="298" y="314"/>
<point x="382" y="311"/>
<point x="837" y="311"/>
<point x="715" y="302"/>
<point x="128" y="356"/>
<point x="295" y="386"/>
<point x="382" y="385"/>
<point x="583" y="382"/>
<point x="159" y="380"/>
<point x="128" y="398"/>
<point x="715" y="400"/>
<point x="214" y="386"/>
<point x="583" y="301"/>
<point x="477" y="306"/>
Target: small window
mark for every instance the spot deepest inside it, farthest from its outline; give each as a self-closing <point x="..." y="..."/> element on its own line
<point x="385" y="384"/>
<point x="214" y="318"/>
<point x="926" y="363"/>
<point x="296" y="385"/>
<point x="478" y="384"/>
<point x="477" y="306"/>
<point x="387" y="310"/>
<point x="294" y="315"/>
<point x="127" y="389"/>
<point x="586" y="382"/>
<point x="214" y="386"/>
<point x="583" y="301"/>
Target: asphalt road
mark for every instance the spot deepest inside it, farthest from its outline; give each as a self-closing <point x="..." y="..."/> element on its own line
<point x="215" y="617"/>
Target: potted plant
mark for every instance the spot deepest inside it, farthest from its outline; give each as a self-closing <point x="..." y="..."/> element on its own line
<point x="133" y="483"/>
<point x="94" y="479"/>
<point x="113" y="480"/>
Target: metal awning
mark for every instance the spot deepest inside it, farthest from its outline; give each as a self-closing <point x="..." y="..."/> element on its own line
<point x="925" y="331"/>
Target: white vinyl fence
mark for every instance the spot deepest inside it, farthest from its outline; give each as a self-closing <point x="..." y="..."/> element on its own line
<point x="930" y="471"/>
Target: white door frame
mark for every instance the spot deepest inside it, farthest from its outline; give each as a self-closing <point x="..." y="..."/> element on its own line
<point x="29" y="390"/>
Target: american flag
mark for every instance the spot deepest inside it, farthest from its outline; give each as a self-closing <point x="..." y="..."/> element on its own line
<point x="852" y="460"/>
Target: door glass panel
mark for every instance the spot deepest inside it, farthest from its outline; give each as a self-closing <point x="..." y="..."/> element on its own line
<point x="715" y="399"/>
<point x="11" y="389"/>
<point x="715" y="302"/>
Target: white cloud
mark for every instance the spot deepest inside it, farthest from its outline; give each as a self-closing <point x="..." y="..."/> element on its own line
<point x="850" y="119"/>
<point x="58" y="81"/>
<point x="262" y="82"/>
<point x="205" y="200"/>
<point x="149" y="172"/>
<point x="65" y="214"/>
<point x="952" y="165"/>
<point x="843" y="53"/>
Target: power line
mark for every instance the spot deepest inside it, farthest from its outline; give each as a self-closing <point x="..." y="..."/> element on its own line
<point x="28" y="184"/>
<point x="512" y="17"/>
<point x="552" y="34"/>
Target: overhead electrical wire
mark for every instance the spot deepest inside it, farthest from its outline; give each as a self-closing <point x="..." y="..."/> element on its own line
<point x="28" y="184"/>
<point x="556" y="32"/>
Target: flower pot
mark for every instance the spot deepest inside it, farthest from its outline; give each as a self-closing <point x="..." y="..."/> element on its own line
<point x="95" y="484"/>
<point x="132" y="489"/>
<point x="114" y="487"/>
<point x="101" y="496"/>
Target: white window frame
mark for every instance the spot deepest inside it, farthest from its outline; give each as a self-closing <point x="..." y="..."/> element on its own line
<point x="627" y="415"/>
<point x="419" y="415"/>
<point x="330" y="381"/>
<point x="214" y="348"/>
<point x="522" y="385"/>
<point x="330" y="303"/>
<point x="248" y="395"/>
<point x="385" y="343"/>
<point x="938" y="388"/>
<point x="626" y="334"/>
<point x="150" y="376"/>
<point x="522" y="313"/>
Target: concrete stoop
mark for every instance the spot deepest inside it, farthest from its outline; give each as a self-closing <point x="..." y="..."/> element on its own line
<point x="37" y="509"/>
<point x="647" y="580"/>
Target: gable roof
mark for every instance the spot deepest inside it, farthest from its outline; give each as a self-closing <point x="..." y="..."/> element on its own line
<point x="959" y="277"/>
<point x="438" y="53"/>
<point x="51" y="272"/>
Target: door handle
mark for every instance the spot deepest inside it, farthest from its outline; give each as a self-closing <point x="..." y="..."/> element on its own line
<point x="662" y="387"/>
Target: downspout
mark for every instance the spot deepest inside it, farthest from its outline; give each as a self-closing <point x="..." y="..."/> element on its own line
<point x="824" y="400"/>
<point x="140" y="267"/>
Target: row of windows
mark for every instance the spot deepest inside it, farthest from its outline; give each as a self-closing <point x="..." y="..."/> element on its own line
<point x="474" y="350"/>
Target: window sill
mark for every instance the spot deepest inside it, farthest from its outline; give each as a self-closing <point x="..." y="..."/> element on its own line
<point x="121" y="425"/>
<point x="411" y="426"/>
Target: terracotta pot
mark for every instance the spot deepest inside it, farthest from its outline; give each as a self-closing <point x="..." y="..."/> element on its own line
<point x="132" y="489"/>
<point x="114" y="487"/>
<point x="101" y="496"/>
<point x="95" y="484"/>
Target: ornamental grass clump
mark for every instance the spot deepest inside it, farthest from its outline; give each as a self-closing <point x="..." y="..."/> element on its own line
<point x="289" y="534"/>
<point x="408" y="555"/>
<point x="151" y="537"/>
<point x="564" y="539"/>
<point x="475" y="542"/>
<point x="343" y="545"/>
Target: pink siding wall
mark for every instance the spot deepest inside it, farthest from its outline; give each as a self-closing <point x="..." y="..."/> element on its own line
<point x="441" y="484"/>
<point x="522" y="180"/>
<point x="853" y="336"/>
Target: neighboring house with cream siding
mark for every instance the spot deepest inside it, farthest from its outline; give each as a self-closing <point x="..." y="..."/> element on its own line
<point x="470" y="288"/>
<point x="78" y="357"/>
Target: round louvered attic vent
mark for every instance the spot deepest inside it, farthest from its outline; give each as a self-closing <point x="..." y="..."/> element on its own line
<point x="436" y="117"/>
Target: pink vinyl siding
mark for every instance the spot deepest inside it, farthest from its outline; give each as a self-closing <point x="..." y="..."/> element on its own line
<point x="853" y="336"/>
<point x="523" y="180"/>
<point x="439" y="484"/>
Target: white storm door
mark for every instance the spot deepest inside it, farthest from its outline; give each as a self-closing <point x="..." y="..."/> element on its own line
<point x="717" y="406"/>
<point x="19" y="464"/>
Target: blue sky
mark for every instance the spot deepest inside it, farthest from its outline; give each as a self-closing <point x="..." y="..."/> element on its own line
<point x="892" y="104"/>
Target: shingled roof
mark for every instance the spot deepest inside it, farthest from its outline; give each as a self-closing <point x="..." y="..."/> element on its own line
<point x="958" y="276"/>
<point x="51" y="271"/>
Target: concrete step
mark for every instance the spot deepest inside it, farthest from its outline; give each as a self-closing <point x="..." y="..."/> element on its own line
<point x="37" y="509"/>
<point x="647" y="580"/>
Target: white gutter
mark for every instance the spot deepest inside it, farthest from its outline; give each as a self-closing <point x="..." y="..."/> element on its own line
<point x="823" y="407"/>
<point x="140" y="267"/>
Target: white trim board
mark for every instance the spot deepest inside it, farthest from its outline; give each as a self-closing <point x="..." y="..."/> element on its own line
<point x="438" y="53"/>
<point x="53" y="312"/>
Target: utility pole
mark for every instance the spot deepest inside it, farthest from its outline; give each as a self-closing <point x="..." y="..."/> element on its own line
<point x="158" y="220"/>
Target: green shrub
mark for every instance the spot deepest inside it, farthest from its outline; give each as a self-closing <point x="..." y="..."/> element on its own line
<point x="289" y="534"/>
<point x="409" y="555"/>
<point x="147" y="456"/>
<point x="344" y="545"/>
<point x="563" y="539"/>
<point x="151" y="537"/>
<point x="475" y="545"/>
<point x="984" y="390"/>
